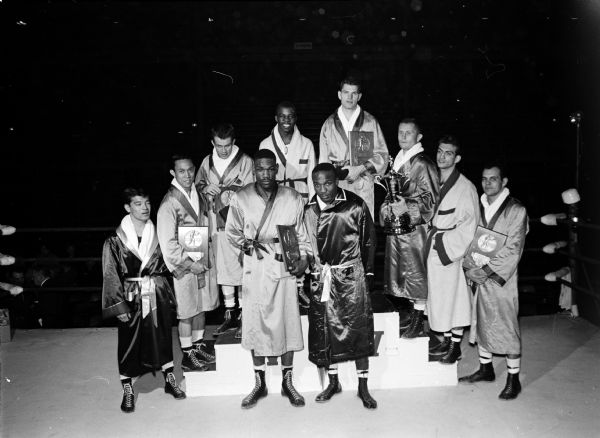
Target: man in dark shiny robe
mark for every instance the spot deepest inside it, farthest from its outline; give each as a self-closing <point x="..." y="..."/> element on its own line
<point x="343" y="238"/>
<point x="136" y="290"/>
<point x="405" y="220"/>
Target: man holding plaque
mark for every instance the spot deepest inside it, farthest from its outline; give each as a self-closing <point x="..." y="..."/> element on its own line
<point x="405" y="216"/>
<point x="491" y="265"/>
<point x="453" y="226"/>
<point x="352" y="140"/>
<point x="343" y="238"/>
<point x="271" y="316"/>
<point x="220" y="175"/>
<point x="183" y="231"/>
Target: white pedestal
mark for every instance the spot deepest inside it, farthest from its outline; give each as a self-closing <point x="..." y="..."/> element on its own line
<point x="400" y="363"/>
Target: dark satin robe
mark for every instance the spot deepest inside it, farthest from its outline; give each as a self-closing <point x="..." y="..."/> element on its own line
<point x="341" y="329"/>
<point x="141" y="345"/>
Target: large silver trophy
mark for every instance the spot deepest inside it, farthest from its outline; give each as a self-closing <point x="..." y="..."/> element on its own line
<point x="393" y="214"/>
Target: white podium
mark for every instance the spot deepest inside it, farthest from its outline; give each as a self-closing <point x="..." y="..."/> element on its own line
<point x="399" y="363"/>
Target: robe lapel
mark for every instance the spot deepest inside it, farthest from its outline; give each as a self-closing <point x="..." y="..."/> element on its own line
<point x="340" y="128"/>
<point x="175" y="193"/>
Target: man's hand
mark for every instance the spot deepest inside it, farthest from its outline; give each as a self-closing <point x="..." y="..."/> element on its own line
<point x="124" y="317"/>
<point x="354" y="172"/>
<point x="299" y="267"/>
<point x="198" y="268"/>
<point x="478" y="275"/>
<point x="212" y="189"/>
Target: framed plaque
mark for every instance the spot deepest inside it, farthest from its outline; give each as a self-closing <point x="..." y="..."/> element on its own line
<point x="361" y="147"/>
<point x="289" y="245"/>
<point x="485" y="245"/>
<point x="194" y="241"/>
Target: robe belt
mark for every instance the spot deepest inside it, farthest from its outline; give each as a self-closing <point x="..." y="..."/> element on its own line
<point x="251" y="246"/>
<point x="341" y="163"/>
<point x="147" y="290"/>
<point x="433" y="230"/>
<point x="326" y="277"/>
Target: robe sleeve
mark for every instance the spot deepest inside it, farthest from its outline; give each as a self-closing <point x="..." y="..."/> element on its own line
<point x="113" y="295"/>
<point x="309" y="168"/>
<point x="427" y="191"/>
<point x="246" y="171"/>
<point x="379" y="162"/>
<point x="324" y="143"/>
<point x="303" y="240"/>
<point x="452" y="245"/>
<point x="176" y="259"/>
<point x="504" y="264"/>
<point x="202" y="176"/>
<point x="368" y="239"/>
<point x="234" y="227"/>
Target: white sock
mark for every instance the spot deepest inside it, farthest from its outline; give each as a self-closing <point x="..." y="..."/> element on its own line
<point x="513" y="365"/>
<point x="457" y="334"/>
<point x="186" y="341"/>
<point x="362" y="374"/>
<point x="166" y="366"/>
<point x="419" y="305"/>
<point x="484" y="355"/>
<point x="332" y="369"/>
<point x="262" y="367"/>
<point x="197" y="335"/>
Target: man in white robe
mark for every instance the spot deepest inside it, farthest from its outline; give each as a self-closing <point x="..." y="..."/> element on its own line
<point x="220" y="175"/>
<point x="334" y="143"/>
<point x="453" y="227"/>
<point x="271" y="316"/>
<point x="195" y="282"/>
<point x="495" y="324"/>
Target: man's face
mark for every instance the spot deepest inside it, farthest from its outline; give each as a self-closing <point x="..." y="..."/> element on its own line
<point x="266" y="170"/>
<point x="139" y="208"/>
<point x="326" y="185"/>
<point x="446" y="156"/>
<point x="286" y="120"/>
<point x="349" y="96"/>
<point x="408" y="136"/>
<point x="223" y="146"/>
<point x="184" y="173"/>
<point x="492" y="182"/>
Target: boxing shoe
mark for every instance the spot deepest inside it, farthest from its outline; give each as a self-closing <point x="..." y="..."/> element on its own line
<point x="332" y="389"/>
<point x="485" y="373"/>
<point x="288" y="390"/>
<point x="259" y="391"/>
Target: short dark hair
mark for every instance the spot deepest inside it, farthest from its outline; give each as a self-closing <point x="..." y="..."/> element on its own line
<point x="223" y="131"/>
<point x="285" y="104"/>
<point x="411" y="120"/>
<point x="351" y="80"/>
<point x="131" y="192"/>
<point x="180" y="156"/>
<point x="264" y="153"/>
<point x="496" y="163"/>
<point x="325" y="167"/>
<point x="451" y="139"/>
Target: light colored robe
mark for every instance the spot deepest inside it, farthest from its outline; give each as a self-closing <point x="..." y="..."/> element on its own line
<point x="454" y="225"/>
<point x="239" y="173"/>
<point x="495" y="324"/>
<point x="334" y="147"/>
<point x="299" y="161"/>
<point x="191" y="300"/>
<point x="270" y="313"/>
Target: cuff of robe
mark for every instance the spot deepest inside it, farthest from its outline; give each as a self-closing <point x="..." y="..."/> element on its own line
<point x="115" y="309"/>
<point x="492" y="275"/>
<point x="439" y="247"/>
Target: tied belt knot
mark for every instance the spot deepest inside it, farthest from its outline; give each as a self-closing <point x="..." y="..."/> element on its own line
<point x="146" y="288"/>
<point x="326" y="277"/>
<point x="251" y="246"/>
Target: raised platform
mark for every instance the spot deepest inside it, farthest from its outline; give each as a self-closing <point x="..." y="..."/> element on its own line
<point x="398" y="363"/>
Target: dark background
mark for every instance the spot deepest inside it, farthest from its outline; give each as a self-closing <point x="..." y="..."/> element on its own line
<point x="98" y="95"/>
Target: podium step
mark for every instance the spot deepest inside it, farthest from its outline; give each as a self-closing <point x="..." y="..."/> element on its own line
<point x="398" y="363"/>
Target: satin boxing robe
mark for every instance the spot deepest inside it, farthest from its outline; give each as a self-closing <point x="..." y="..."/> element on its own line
<point x="239" y="173"/>
<point x="191" y="299"/>
<point x="343" y="233"/>
<point x="298" y="162"/>
<point x="143" y="342"/>
<point x="405" y="272"/>
<point x="271" y="315"/>
<point x="454" y="224"/>
<point x="334" y="147"/>
<point x="495" y="324"/>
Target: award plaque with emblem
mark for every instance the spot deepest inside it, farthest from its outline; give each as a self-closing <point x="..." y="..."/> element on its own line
<point x="289" y="245"/>
<point x="194" y="241"/>
<point x="485" y="245"/>
<point x="361" y="147"/>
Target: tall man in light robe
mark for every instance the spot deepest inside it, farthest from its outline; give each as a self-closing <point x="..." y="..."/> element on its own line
<point x="405" y="220"/>
<point x="334" y="143"/>
<point x="495" y="324"/>
<point x="194" y="281"/>
<point x="340" y="316"/>
<point x="220" y="175"/>
<point x="271" y="316"/>
<point x="453" y="228"/>
<point x="136" y="289"/>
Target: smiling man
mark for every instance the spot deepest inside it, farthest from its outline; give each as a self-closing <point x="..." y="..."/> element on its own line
<point x="220" y="175"/>
<point x="351" y="123"/>
<point x="136" y="290"/>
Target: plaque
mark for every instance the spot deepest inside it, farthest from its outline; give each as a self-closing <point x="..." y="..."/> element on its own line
<point x="194" y="241"/>
<point x="485" y="245"/>
<point x="289" y="245"/>
<point x="361" y="147"/>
